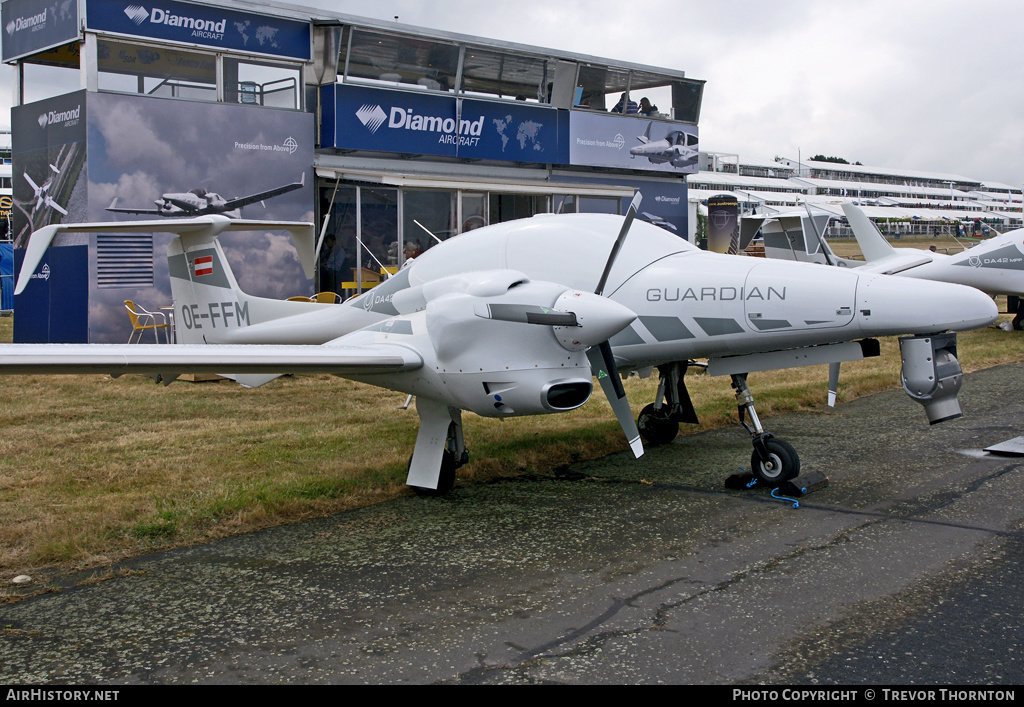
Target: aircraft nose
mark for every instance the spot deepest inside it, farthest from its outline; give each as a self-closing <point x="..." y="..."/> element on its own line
<point x="909" y="306"/>
<point x="599" y="319"/>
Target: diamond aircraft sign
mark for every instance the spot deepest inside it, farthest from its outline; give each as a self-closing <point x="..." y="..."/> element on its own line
<point x="210" y="29"/>
<point x="372" y="117"/>
<point x="219" y="27"/>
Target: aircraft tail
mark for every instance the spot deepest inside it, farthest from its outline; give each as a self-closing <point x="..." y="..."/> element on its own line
<point x="208" y="302"/>
<point x="209" y="306"/>
<point x="871" y="241"/>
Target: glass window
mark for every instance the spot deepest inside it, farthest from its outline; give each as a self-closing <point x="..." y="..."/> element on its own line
<point x="354" y="251"/>
<point x="563" y="204"/>
<point x="507" y="207"/>
<point x="599" y="204"/>
<point x="156" y="71"/>
<point x="394" y="59"/>
<point x="428" y="215"/>
<point x="338" y="252"/>
<point x="46" y="81"/>
<point x="600" y="87"/>
<point x="494" y="73"/>
<point x="686" y="100"/>
<point x="474" y="211"/>
<point x="652" y="93"/>
<point x="380" y="246"/>
<point x="261" y="84"/>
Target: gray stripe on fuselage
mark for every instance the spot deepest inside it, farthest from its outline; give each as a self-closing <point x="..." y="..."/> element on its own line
<point x="626" y="337"/>
<point x="666" y="328"/>
<point x="714" y="326"/>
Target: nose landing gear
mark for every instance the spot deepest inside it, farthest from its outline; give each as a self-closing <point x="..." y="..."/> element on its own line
<point x="774" y="461"/>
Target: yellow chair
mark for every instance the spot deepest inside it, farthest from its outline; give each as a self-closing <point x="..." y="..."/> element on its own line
<point x="139" y="318"/>
<point x="326" y="297"/>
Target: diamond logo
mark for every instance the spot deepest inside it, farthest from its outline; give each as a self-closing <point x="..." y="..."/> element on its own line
<point x="136" y="13"/>
<point x="372" y="116"/>
<point x="10" y="27"/>
<point x="43" y="119"/>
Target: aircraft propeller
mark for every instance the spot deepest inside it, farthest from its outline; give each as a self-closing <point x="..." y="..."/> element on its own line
<point x="602" y="360"/>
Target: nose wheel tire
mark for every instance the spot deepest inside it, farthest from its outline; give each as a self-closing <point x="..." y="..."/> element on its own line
<point x="782" y="464"/>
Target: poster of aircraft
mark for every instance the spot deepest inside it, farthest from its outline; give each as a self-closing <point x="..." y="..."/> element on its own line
<point x="200" y="202"/>
<point x="517" y="318"/>
<point x="43" y="193"/>
<point x="42" y="198"/>
<point x="678" y="148"/>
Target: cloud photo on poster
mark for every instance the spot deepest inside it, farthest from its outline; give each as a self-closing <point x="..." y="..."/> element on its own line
<point x="151" y="158"/>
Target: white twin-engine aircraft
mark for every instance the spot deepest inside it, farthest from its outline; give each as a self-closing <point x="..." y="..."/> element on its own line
<point x="199" y="202"/>
<point x="517" y="318"/>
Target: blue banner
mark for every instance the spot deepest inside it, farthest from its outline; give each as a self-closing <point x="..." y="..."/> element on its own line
<point x="54" y="307"/>
<point x="382" y="120"/>
<point x="6" y="276"/>
<point x="215" y="27"/>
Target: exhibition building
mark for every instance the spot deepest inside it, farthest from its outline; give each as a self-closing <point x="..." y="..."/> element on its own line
<point x="389" y="137"/>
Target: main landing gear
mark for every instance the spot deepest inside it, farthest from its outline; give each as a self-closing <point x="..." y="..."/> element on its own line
<point x="659" y="422"/>
<point x="773" y="461"/>
<point x="440" y="448"/>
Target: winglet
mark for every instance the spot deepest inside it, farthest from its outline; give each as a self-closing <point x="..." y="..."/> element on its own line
<point x="38" y="242"/>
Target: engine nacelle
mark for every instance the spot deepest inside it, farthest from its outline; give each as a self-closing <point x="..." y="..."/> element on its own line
<point x="932" y="375"/>
<point x="482" y="372"/>
<point x="496" y="343"/>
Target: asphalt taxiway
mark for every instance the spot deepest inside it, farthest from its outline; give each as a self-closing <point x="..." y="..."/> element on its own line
<point x="905" y="569"/>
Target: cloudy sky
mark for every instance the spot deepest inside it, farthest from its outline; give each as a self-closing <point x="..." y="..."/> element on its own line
<point x="931" y="85"/>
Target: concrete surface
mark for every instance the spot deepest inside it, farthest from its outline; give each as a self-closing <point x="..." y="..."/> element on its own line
<point x="906" y="568"/>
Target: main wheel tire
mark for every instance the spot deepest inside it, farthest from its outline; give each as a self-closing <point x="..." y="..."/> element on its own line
<point x="656" y="427"/>
<point x="783" y="463"/>
<point x="445" y="482"/>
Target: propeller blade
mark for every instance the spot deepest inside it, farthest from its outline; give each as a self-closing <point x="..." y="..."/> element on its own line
<point x="602" y="363"/>
<point x="531" y="314"/>
<point x="630" y="215"/>
<point x="833" y="383"/>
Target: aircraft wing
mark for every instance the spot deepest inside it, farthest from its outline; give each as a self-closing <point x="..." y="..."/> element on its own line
<point x="303" y="236"/>
<point x="232" y="204"/>
<point x="169" y="361"/>
<point x="114" y="208"/>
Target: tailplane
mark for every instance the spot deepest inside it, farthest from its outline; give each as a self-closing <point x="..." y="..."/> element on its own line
<point x="209" y="306"/>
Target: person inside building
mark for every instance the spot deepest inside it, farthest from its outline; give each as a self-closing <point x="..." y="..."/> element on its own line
<point x="630" y="106"/>
<point x="646" y="108"/>
<point x="332" y="268"/>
